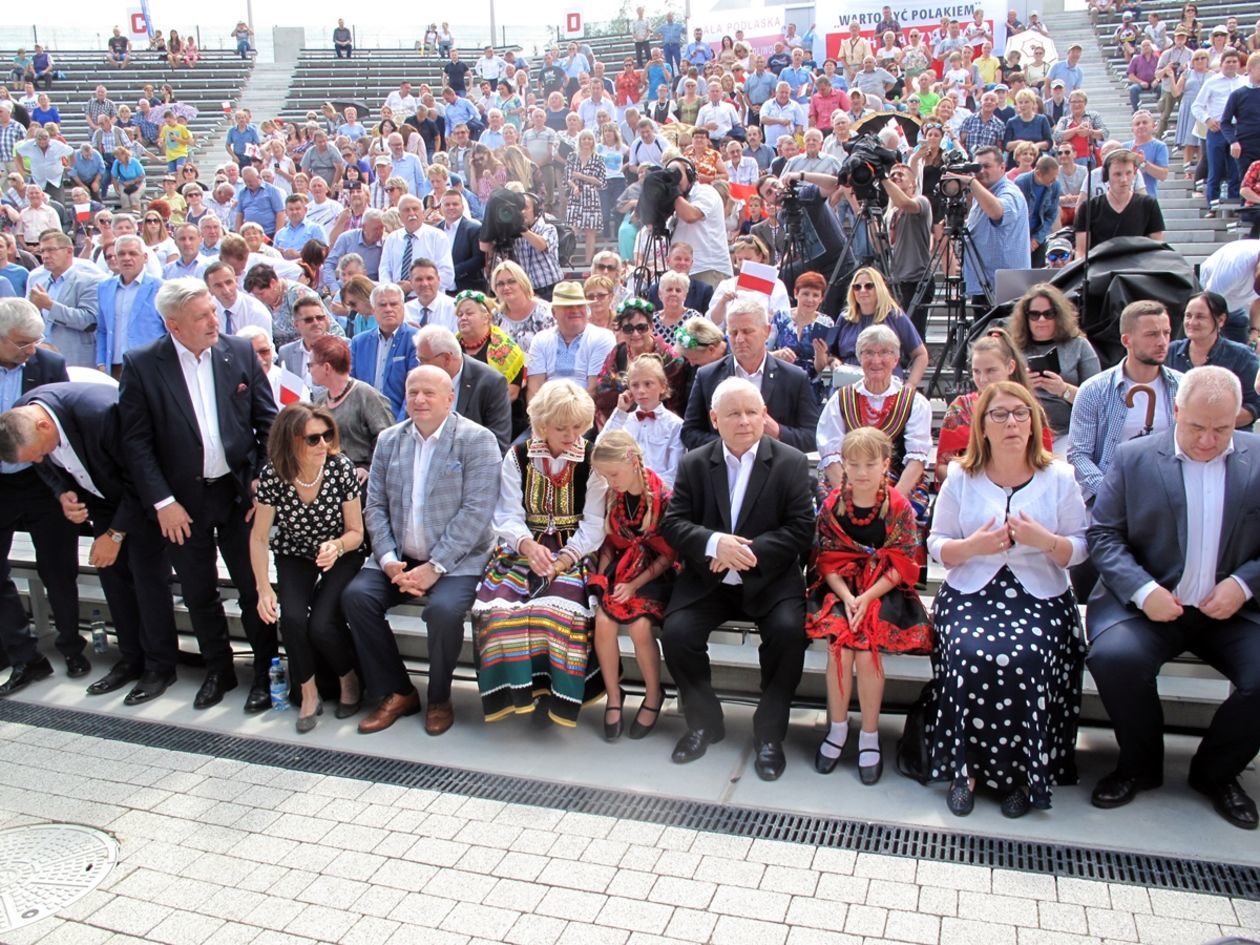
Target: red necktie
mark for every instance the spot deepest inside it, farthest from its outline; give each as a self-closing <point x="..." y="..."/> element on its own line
<point x="645" y="415"/>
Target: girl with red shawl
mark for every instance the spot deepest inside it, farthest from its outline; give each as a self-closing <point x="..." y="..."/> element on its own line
<point x="632" y="586"/>
<point x="862" y="598"/>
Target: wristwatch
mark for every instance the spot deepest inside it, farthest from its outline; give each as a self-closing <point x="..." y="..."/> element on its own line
<point x="116" y="537"/>
<point x="437" y="568"/>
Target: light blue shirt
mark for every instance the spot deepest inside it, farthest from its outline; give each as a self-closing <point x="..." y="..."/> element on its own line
<point x="289" y="237"/>
<point x="574" y="66"/>
<point x="124" y="298"/>
<point x="1156" y="153"/>
<point x="383" y="347"/>
<point x="460" y="112"/>
<point x="698" y="53"/>
<point x="177" y="270"/>
<point x="1000" y="244"/>
<point x="10" y="391"/>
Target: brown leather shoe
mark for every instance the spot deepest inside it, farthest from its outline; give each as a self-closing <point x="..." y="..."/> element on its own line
<point x="439" y="717"/>
<point x="390" y="711"/>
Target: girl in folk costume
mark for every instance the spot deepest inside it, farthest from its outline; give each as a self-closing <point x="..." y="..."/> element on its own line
<point x="532" y="616"/>
<point x="656" y="430"/>
<point x="635" y="571"/>
<point x="863" y="573"/>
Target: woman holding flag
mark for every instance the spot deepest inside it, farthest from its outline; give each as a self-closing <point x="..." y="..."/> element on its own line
<point x="754" y="278"/>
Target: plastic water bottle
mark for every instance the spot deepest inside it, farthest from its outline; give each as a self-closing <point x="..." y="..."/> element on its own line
<point x="279" y="685"/>
<point x="100" y="642"/>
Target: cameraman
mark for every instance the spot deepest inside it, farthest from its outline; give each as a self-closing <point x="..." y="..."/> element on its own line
<point x="701" y="222"/>
<point x="997" y="222"/>
<point x="536" y="250"/>
<point x="910" y="238"/>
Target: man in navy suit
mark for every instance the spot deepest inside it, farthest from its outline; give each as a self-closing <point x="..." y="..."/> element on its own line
<point x="27" y="506"/>
<point x="196" y="412"/>
<point x="465" y="236"/>
<point x="74" y="435"/>
<point x="1176" y="538"/>
<point x="791" y="406"/>
<point x="384" y="356"/>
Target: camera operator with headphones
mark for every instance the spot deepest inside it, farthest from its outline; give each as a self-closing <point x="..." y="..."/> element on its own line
<point x="701" y="222"/>
<point x="1119" y="210"/>
<point x="536" y="249"/>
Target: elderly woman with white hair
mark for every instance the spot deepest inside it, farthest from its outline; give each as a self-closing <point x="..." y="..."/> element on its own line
<point x="881" y="400"/>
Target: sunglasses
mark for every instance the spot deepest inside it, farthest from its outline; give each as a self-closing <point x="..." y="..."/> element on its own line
<point x="311" y="319"/>
<point x="152" y="219"/>
<point x="863" y="286"/>
<point x="639" y="329"/>
<point x="1037" y="314"/>
<point x="312" y="439"/>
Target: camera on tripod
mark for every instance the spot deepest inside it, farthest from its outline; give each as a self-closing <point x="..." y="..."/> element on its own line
<point x="950" y="188"/>
<point x="868" y="163"/>
<point x="504" y="218"/>
<point x="661" y="188"/>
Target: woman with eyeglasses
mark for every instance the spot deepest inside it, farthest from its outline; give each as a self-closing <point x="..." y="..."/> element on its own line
<point x="486" y="342"/>
<point x="1187" y="86"/>
<point x="600" y="293"/>
<point x="635" y="337"/>
<point x="994" y="358"/>
<point x="520" y="313"/>
<point x="1008" y="524"/>
<point x="153" y="232"/>
<point x="871" y="303"/>
<point x="1205" y="316"/>
<point x="309" y="492"/>
<point x="1043" y="326"/>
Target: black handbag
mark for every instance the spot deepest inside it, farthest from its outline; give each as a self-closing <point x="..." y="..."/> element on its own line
<point x="913" y="754"/>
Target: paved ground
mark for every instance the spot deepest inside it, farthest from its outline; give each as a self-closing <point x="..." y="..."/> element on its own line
<point x="216" y="852"/>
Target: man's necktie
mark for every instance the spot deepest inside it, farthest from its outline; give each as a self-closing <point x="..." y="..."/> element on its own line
<point x="645" y="415"/>
<point x="228" y="323"/>
<point x="424" y="316"/>
<point x="406" y="259"/>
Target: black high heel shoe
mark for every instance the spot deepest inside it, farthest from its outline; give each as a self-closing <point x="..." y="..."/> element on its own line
<point x="612" y="731"/>
<point x="638" y="729"/>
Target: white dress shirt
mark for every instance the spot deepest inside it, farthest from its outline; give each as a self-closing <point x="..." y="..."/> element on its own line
<point x="1204" y="485"/>
<point x="659" y="438"/>
<point x="65" y="457"/>
<point x="441" y="311"/>
<point x="969" y="502"/>
<point x="722" y="114"/>
<point x="918" y="435"/>
<point x="752" y="377"/>
<point x="738" y="473"/>
<point x="1213" y="93"/>
<point x="509" y="511"/>
<point x="246" y="310"/>
<point x="199" y="379"/>
<point x="428" y="242"/>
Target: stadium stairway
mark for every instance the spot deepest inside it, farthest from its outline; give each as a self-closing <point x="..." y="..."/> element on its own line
<point x="263" y="94"/>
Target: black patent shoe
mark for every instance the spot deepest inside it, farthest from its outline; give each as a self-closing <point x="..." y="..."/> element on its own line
<point x="769" y="761"/>
<point x="962" y="797"/>
<point x="612" y="730"/>
<point x="823" y="764"/>
<point x="26" y="673"/>
<point x="694" y="743"/>
<point x="217" y="683"/>
<point x="150" y="686"/>
<point x="638" y="729"/>
<point x="1232" y="803"/>
<point x="870" y="774"/>
<point x="119" y="675"/>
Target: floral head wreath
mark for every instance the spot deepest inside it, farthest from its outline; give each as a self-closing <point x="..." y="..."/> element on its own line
<point x="474" y="296"/>
<point x="635" y="304"/>
<point x="685" y="339"/>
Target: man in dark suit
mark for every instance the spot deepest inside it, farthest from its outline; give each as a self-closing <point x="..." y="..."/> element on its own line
<point x="481" y="392"/>
<point x="196" y="411"/>
<point x="27" y="506"/>
<point x="465" y="236"/>
<point x="1184" y="579"/>
<point x="74" y="435"/>
<point x="791" y="406"/>
<point x="741" y="519"/>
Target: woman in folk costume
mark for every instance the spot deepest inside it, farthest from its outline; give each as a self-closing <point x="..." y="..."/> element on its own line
<point x="636" y="568"/>
<point x="880" y="400"/>
<point x="533" y="612"/>
<point x="863" y="574"/>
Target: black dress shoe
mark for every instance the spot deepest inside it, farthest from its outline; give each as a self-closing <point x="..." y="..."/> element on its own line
<point x="150" y="686"/>
<point x="870" y="774"/>
<point x="121" y="674"/>
<point x="694" y="743"/>
<point x="218" y="682"/>
<point x="1016" y="804"/>
<point x="638" y="729"/>
<point x="258" y="700"/>
<point x="1116" y="790"/>
<point x="613" y="730"/>
<point x="770" y="761"/>
<point x="26" y="673"/>
<point x="823" y="764"/>
<point x="1232" y="803"/>
<point x="77" y="666"/>
<point x="962" y="798"/>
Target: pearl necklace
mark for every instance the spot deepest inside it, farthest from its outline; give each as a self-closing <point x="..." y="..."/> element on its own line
<point x="310" y="485"/>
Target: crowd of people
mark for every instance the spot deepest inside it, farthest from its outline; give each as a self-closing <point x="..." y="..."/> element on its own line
<point x="414" y="415"/>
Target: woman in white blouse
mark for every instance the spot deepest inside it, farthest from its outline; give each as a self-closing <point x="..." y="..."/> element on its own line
<point x="1008" y="524"/>
<point x="533" y="615"/>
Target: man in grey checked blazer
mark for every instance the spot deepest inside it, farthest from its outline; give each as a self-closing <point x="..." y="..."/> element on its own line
<point x="430" y="501"/>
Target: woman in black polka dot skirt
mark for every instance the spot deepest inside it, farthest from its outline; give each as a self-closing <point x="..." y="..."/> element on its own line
<point x="1009" y="650"/>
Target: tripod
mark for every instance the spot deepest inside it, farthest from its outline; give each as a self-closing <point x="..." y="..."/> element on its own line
<point x="959" y="245"/>
<point x="871" y="215"/>
<point x="652" y="263"/>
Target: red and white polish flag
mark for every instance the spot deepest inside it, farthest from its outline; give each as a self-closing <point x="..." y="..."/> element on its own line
<point x="756" y="277"/>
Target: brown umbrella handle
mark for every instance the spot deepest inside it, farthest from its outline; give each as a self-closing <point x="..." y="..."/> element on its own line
<point x="1149" y="393"/>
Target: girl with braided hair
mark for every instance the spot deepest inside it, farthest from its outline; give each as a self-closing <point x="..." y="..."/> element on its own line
<point x="632" y="583"/>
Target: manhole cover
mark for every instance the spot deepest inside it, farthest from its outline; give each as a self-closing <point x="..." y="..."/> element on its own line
<point x="46" y="867"/>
